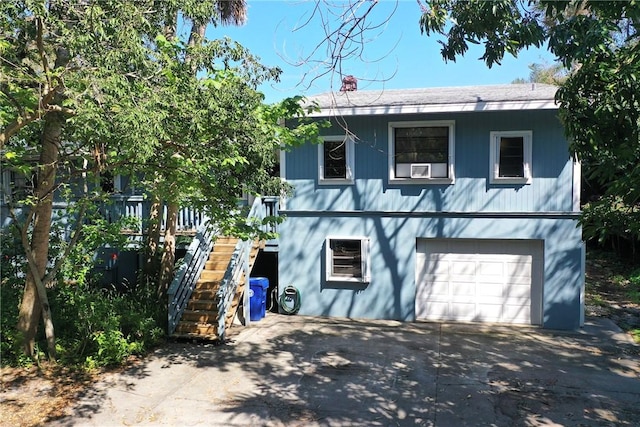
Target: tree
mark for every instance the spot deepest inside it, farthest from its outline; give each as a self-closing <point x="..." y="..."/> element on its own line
<point x="552" y="74"/>
<point x="599" y="101"/>
<point x="110" y="87"/>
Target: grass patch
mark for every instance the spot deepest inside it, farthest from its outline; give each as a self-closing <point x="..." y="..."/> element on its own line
<point x="598" y="301"/>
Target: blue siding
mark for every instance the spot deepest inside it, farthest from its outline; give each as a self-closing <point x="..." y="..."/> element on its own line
<point x="391" y="293"/>
<point x="394" y="216"/>
<point x="550" y="190"/>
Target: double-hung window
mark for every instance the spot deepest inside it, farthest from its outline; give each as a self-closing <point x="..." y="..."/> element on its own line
<point x="348" y="259"/>
<point x="335" y="160"/>
<point x="421" y="152"/>
<point x="510" y="157"/>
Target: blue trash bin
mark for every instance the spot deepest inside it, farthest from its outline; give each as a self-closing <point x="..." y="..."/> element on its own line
<point x="258" y="287"/>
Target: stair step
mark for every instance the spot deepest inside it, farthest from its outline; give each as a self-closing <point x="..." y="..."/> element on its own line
<point x="200" y="316"/>
<point x="199" y="337"/>
<point x="226" y="240"/>
<point x="224" y="247"/>
<point x="185" y="327"/>
<point x="220" y="256"/>
<point x="203" y="305"/>
<point x="208" y="285"/>
<point x="217" y="264"/>
<point x="205" y="294"/>
<point x="212" y="275"/>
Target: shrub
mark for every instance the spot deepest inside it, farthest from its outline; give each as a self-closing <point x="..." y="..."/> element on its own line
<point x="94" y="327"/>
<point x="102" y="327"/>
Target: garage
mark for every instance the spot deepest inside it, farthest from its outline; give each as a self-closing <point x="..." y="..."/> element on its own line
<point x="476" y="280"/>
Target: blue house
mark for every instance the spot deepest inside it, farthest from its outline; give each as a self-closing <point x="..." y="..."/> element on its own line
<point x="447" y="204"/>
<point x="443" y="204"/>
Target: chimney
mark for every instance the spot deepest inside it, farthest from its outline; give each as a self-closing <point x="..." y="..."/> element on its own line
<point x="349" y="84"/>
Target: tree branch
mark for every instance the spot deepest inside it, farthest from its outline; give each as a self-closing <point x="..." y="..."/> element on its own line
<point x="43" y="57"/>
<point x="348" y="31"/>
<point x="23" y="120"/>
<point x="5" y="90"/>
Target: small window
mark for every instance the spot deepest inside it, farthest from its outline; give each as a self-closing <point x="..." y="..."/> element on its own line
<point x="17" y="186"/>
<point x="421" y="152"/>
<point x="510" y="157"/>
<point x="107" y="183"/>
<point x="348" y="259"/>
<point x="335" y="159"/>
<point x="110" y="183"/>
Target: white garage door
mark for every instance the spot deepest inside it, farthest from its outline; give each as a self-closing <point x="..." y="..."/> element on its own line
<point x="479" y="280"/>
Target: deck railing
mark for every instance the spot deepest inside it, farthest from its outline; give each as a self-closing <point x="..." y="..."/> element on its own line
<point x="189" y="219"/>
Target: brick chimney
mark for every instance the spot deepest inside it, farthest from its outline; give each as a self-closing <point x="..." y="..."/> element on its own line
<point x="349" y="84"/>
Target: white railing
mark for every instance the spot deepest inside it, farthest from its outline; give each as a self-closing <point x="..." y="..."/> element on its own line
<point x="189" y="219"/>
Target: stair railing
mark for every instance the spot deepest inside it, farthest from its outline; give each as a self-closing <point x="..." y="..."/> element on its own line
<point x="238" y="266"/>
<point x="188" y="273"/>
<point x="230" y="283"/>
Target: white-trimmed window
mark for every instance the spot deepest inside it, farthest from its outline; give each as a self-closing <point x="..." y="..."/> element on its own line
<point x="510" y="157"/>
<point x="335" y="160"/>
<point x="348" y="259"/>
<point x="422" y="152"/>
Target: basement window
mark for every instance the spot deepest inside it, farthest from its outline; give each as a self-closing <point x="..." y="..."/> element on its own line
<point x="348" y="259"/>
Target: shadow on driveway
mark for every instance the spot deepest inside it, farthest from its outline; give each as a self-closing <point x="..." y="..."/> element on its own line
<point x="307" y="371"/>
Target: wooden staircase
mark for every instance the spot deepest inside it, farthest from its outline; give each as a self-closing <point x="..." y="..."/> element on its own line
<point x="200" y="318"/>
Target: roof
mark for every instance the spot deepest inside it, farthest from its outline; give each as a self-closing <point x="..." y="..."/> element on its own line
<point x="526" y="96"/>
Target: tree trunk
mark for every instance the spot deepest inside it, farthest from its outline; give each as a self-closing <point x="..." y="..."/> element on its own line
<point x="34" y="301"/>
<point x="196" y="36"/>
<point x="169" y="253"/>
<point x="150" y="267"/>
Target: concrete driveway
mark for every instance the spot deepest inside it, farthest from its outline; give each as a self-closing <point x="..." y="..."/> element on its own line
<point x="307" y="371"/>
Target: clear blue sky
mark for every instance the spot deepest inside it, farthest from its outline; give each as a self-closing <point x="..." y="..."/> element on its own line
<point x="395" y="56"/>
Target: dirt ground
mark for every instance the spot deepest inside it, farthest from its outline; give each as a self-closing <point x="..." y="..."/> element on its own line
<point x="31" y="397"/>
<point x="607" y="297"/>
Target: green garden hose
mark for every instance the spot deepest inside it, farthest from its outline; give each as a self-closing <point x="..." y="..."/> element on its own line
<point x="290" y="294"/>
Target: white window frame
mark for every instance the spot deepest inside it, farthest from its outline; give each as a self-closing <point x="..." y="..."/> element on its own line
<point x="423" y="123"/>
<point x="365" y="258"/>
<point x="349" y="160"/>
<point x="494" y="157"/>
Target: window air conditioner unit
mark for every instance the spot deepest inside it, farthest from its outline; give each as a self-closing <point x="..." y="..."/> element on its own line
<point x="421" y="170"/>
